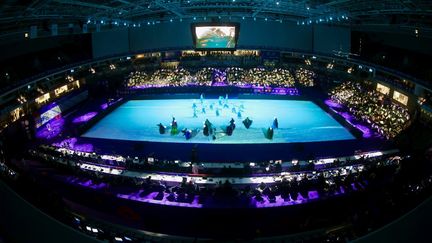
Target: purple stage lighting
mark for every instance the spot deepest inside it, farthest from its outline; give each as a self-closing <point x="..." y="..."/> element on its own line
<point x="50" y="129"/>
<point x="84" y="118"/>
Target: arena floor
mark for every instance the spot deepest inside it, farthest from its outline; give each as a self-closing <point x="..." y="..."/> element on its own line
<point x="299" y="121"/>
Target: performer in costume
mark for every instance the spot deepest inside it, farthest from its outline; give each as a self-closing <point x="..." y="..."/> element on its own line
<point x="275" y="123"/>
<point x="247" y="122"/>
<point x="162" y="128"/>
<point x="174" y="127"/>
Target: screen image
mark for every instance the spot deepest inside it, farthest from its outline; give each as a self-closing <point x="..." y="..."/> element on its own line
<point x="48" y="116"/>
<point x="215" y="37"/>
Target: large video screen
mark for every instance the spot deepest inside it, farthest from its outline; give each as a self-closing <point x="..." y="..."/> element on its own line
<point x="48" y="116"/>
<point x="215" y="37"/>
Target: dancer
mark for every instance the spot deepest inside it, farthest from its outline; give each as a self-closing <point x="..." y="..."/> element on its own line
<point x="231" y="127"/>
<point x="187" y="133"/>
<point x="247" y="122"/>
<point x="202" y="98"/>
<point x="275" y="123"/>
<point x="162" y="128"/>
<point x="270" y="132"/>
<point x="208" y="128"/>
<point x="174" y="127"/>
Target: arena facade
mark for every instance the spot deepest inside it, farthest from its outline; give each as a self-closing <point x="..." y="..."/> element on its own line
<point x="169" y="121"/>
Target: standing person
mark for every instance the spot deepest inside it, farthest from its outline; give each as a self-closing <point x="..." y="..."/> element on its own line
<point x="275" y="123"/>
<point x="202" y="98"/>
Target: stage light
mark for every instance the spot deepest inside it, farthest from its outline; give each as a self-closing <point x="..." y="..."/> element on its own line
<point x="265" y="19"/>
<point x="102" y="21"/>
<point x="26" y="35"/>
<point x="243" y="17"/>
<point x="171" y="20"/>
<point x="307" y="8"/>
<point x="277" y="3"/>
<point x="331" y="18"/>
<point x="194" y="18"/>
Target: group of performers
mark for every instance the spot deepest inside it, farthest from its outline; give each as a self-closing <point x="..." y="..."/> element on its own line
<point x="209" y="130"/>
<point x="216" y="107"/>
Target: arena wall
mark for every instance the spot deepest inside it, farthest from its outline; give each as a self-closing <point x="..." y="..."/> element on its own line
<point x="253" y="34"/>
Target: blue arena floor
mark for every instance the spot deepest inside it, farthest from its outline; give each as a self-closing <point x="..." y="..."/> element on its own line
<point x="299" y="121"/>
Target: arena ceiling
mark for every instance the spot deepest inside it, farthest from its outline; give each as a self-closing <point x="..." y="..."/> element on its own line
<point x="19" y="14"/>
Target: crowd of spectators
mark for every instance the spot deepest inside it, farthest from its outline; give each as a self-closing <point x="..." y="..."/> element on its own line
<point x="204" y="76"/>
<point x="159" y="78"/>
<point x="399" y="176"/>
<point x="302" y="186"/>
<point x="384" y="115"/>
<point x="305" y="77"/>
<point x="258" y="77"/>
